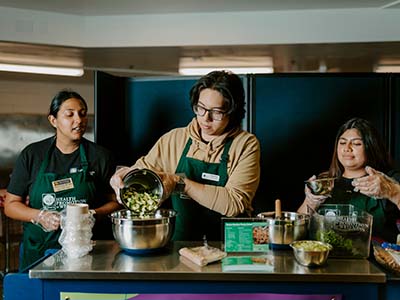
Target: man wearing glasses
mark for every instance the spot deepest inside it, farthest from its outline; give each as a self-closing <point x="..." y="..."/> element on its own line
<point x="213" y="163"/>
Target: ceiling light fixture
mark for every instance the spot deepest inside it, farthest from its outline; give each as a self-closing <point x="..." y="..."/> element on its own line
<point x="391" y="4"/>
<point x="387" y="69"/>
<point x="239" y="65"/>
<point x="237" y="70"/>
<point x="63" y="71"/>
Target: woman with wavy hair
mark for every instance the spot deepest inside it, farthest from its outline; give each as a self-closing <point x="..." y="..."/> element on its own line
<point x="364" y="178"/>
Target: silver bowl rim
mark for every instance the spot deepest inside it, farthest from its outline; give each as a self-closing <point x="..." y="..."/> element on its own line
<point x="293" y="218"/>
<point x="321" y="179"/>
<point x="159" y="214"/>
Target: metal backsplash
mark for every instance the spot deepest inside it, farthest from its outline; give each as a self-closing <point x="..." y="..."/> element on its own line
<point x="19" y="130"/>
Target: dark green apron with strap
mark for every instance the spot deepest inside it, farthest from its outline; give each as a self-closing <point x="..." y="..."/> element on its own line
<point x="43" y="196"/>
<point x="193" y="220"/>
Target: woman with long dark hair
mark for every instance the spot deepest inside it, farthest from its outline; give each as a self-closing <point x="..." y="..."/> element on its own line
<point x="364" y="177"/>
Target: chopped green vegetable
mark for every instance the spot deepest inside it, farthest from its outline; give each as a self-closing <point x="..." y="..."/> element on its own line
<point x="141" y="203"/>
<point x="311" y="246"/>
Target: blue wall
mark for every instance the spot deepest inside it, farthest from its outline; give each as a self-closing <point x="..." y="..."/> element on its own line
<point x="295" y="117"/>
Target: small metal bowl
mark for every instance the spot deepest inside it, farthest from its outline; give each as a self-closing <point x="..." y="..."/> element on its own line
<point x="311" y="253"/>
<point x="142" y="181"/>
<point x="321" y="186"/>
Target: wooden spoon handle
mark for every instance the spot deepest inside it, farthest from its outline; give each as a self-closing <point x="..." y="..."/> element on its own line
<point x="278" y="210"/>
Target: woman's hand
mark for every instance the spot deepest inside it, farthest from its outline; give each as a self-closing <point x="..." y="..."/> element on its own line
<point x="47" y="220"/>
<point x="311" y="202"/>
<point x="169" y="182"/>
<point x="116" y="181"/>
<point x="377" y="184"/>
<point x="314" y="201"/>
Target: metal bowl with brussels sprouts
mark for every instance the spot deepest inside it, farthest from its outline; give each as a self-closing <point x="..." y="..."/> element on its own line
<point x="142" y="192"/>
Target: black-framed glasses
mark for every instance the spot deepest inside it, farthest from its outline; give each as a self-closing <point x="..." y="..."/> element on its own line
<point x="215" y="114"/>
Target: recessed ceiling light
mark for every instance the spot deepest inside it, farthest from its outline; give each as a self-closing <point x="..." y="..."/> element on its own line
<point x="64" y="71"/>
<point x="236" y="64"/>
<point x="387" y="69"/>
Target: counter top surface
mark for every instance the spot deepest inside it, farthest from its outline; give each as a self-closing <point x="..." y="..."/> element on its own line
<point x="108" y="262"/>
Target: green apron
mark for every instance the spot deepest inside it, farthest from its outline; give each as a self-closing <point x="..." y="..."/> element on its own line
<point x="42" y="196"/>
<point x="193" y="220"/>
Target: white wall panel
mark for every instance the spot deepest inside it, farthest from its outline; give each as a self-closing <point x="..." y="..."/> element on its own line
<point x="228" y="28"/>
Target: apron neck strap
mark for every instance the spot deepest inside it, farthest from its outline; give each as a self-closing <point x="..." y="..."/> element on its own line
<point x="187" y="147"/>
<point x="84" y="161"/>
<point x="224" y="156"/>
<point x="45" y="163"/>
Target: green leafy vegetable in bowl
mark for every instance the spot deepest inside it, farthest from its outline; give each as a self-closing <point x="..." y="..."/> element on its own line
<point x="341" y="246"/>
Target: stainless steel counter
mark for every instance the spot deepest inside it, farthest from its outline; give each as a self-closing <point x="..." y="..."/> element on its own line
<point x="108" y="262"/>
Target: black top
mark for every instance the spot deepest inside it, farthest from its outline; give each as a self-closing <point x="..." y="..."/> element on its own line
<point x="101" y="167"/>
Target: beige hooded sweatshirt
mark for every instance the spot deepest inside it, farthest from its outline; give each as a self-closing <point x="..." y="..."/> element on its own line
<point x="243" y="165"/>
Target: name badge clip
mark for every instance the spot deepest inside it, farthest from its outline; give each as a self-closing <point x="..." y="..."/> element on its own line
<point x="63" y="184"/>
<point x="208" y="176"/>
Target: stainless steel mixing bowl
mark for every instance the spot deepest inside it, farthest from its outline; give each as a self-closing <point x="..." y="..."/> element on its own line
<point x="321" y="186"/>
<point x="311" y="253"/>
<point x="142" y="181"/>
<point x="288" y="228"/>
<point x="142" y="234"/>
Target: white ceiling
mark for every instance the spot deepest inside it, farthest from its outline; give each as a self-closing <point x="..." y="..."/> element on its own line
<point x="138" y="41"/>
<point x="126" y="7"/>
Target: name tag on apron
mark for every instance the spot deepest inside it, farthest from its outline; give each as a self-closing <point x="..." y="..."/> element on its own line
<point x="208" y="176"/>
<point x="62" y="184"/>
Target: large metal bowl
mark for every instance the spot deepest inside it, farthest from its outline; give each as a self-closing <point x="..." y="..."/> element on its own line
<point x="143" y="234"/>
<point x="288" y="228"/>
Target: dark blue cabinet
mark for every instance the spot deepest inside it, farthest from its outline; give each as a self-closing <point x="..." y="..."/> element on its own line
<point x="154" y="108"/>
<point x="295" y="117"/>
<point x="132" y="113"/>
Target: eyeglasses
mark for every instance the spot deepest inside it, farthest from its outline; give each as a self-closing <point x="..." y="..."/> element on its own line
<point x="215" y="114"/>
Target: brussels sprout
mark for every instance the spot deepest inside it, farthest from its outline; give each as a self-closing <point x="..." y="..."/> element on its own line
<point x="141" y="203"/>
